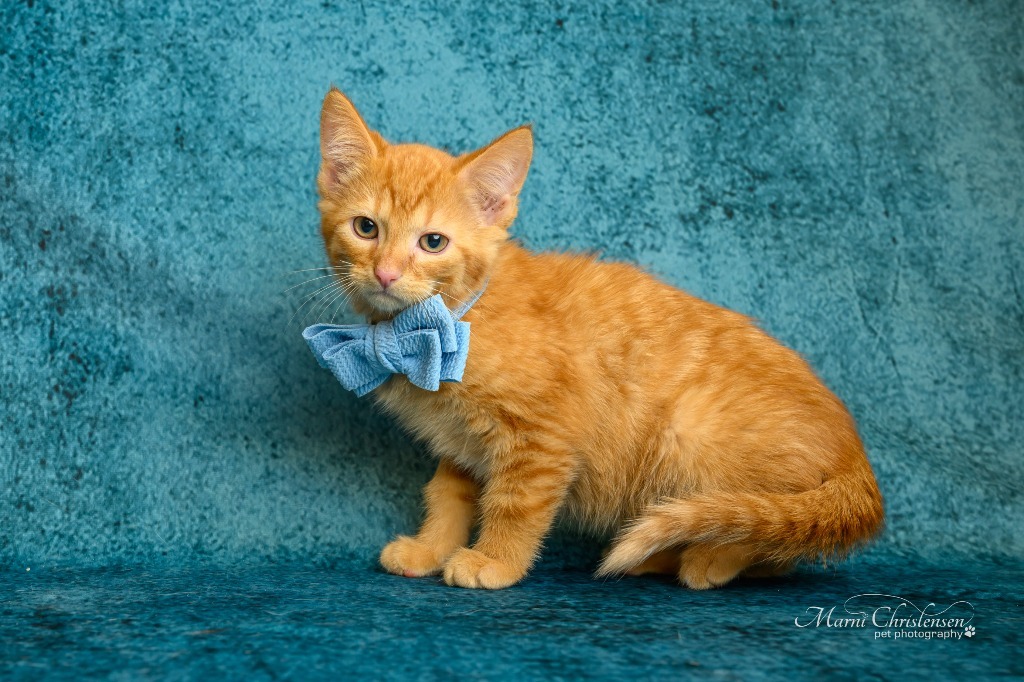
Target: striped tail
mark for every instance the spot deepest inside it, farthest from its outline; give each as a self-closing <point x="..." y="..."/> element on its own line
<point x="826" y="522"/>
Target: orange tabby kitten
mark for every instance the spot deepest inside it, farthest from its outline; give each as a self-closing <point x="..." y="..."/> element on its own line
<point x="590" y="387"/>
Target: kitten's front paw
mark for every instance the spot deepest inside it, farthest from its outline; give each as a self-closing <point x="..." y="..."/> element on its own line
<point x="470" y="568"/>
<point x="410" y="557"/>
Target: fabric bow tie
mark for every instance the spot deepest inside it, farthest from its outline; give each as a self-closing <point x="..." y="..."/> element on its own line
<point x="426" y="342"/>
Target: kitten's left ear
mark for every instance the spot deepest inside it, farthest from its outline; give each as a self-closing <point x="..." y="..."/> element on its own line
<point x="494" y="175"/>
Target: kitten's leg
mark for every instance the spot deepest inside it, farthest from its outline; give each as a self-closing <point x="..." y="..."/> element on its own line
<point x="517" y="508"/>
<point x="704" y="566"/>
<point x="450" y="497"/>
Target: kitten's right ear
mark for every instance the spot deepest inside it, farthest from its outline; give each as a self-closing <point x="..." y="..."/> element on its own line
<point x="495" y="174"/>
<point x="346" y="143"/>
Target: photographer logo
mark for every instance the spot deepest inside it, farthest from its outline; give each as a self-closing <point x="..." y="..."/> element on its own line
<point x="891" y="617"/>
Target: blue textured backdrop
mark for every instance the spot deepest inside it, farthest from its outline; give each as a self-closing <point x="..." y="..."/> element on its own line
<point x="847" y="173"/>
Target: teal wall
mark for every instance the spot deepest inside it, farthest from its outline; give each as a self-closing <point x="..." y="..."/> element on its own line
<point x="847" y="173"/>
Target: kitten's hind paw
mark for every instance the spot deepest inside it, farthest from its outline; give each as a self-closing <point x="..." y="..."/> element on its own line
<point x="705" y="566"/>
<point x="631" y="549"/>
<point x="410" y="557"/>
<point x="470" y="568"/>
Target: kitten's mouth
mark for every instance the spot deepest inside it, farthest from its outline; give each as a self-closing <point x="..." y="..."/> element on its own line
<point x="386" y="302"/>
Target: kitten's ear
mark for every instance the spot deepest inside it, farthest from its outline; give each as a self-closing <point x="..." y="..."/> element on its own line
<point x="494" y="175"/>
<point x="346" y="144"/>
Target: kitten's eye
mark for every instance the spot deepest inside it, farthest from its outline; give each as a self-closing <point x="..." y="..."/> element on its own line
<point x="433" y="242"/>
<point x="364" y="227"/>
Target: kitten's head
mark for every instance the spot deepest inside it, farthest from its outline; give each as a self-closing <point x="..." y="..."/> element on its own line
<point x="402" y="222"/>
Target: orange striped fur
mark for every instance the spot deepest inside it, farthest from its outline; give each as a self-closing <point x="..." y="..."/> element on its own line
<point x="592" y="389"/>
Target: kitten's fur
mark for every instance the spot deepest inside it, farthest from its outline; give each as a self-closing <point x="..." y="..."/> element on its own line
<point x="590" y="388"/>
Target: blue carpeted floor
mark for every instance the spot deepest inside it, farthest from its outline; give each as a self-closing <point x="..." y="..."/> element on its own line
<point x="196" y="498"/>
<point x="273" y="622"/>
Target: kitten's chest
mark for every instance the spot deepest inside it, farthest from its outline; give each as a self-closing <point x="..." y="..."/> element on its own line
<point x="450" y="422"/>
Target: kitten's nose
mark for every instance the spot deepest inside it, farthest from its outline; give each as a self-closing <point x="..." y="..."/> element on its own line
<point x="386" y="277"/>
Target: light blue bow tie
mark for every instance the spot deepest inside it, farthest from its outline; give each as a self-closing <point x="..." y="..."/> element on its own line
<point x="426" y="342"/>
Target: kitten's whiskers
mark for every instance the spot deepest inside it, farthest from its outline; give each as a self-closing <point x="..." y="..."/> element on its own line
<point x="294" y="286"/>
<point x="312" y="296"/>
<point x="342" y="292"/>
<point x="456" y="299"/>
<point x="292" y="272"/>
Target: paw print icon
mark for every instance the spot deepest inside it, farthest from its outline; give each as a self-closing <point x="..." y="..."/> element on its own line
<point x="969" y="631"/>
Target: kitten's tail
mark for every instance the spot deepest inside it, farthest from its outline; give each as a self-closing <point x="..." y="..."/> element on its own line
<point x="826" y="522"/>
